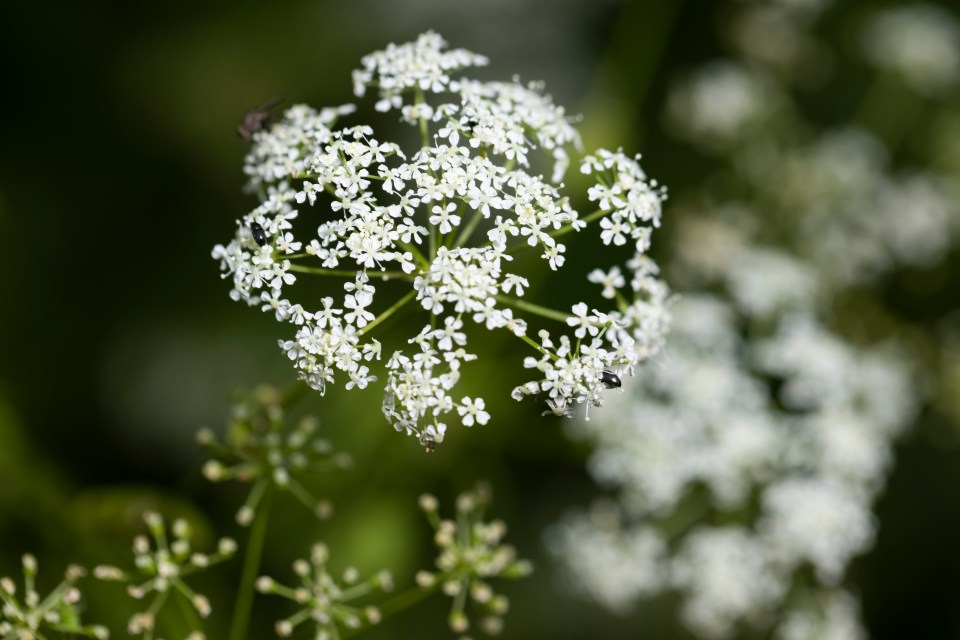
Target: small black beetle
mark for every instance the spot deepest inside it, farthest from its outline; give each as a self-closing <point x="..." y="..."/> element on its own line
<point x="259" y="235"/>
<point x="610" y="380"/>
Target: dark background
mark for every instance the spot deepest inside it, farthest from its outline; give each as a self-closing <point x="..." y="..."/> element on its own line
<point x="120" y="169"/>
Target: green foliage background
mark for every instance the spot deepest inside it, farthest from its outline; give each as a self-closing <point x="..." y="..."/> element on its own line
<point x="119" y="170"/>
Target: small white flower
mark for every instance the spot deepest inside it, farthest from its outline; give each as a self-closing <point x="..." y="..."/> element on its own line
<point x="584" y="322"/>
<point x="472" y="411"/>
<point x="611" y="281"/>
<point x="445" y="218"/>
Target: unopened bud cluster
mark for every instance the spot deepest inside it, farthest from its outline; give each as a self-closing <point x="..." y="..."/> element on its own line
<point x="161" y="566"/>
<point x="260" y="448"/>
<point x="325" y="601"/>
<point x="27" y="616"/>
<point x="471" y="553"/>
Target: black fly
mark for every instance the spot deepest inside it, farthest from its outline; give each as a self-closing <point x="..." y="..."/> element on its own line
<point x="259" y="235"/>
<point x="256" y="120"/>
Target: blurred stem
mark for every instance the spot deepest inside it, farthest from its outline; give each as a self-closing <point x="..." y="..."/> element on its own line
<point x="395" y="605"/>
<point x="293" y="394"/>
<point x="627" y="69"/>
<point x="190" y="615"/>
<point x="251" y="567"/>
<point x="406" y="599"/>
<point x="386" y="314"/>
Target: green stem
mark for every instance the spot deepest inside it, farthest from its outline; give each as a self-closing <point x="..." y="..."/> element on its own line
<point x="251" y="567"/>
<point x="468" y="230"/>
<point x="343" y="273"/>
<point x="386" y="314"/>
<point x="530" y="341"/>
<point x="190" y="615"/>
<point x="406" y="599"/>
<point x="416" y="254"/>
<point x="545" y="312"/>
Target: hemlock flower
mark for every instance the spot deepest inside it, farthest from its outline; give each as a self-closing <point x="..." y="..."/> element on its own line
<point x="30" y="617"/>
<point x="323" y="599"/>
<point x="162" y="567"/>
<point x="442" y="221"/>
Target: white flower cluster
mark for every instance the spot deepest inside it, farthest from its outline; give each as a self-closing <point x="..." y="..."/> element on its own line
<point x="446" y="218"/>
<point x="919" y="42"/>
<point x="705" y="434"/>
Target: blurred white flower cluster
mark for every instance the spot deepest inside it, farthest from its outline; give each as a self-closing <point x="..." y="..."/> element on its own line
<point x="743" y="471"/>
<point x="719" y="104"/>
<point x="855" y="217"/>
<point x="444" y="219"/>
<point x="790" y="474"/>
<point x="920" y="43"/>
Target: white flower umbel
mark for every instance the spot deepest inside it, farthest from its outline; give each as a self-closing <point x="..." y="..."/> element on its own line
<point x="853" y="219"/>
<point x="436" y="227"/>
<point x="820" y="522"/>
<point x="727" y="576"/>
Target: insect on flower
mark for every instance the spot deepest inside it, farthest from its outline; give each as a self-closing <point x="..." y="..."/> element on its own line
<point x="256" y="119"/>
<point x="429" y="444"/>
<point x="610" y="379"/>
<point x="258" y="233"/>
